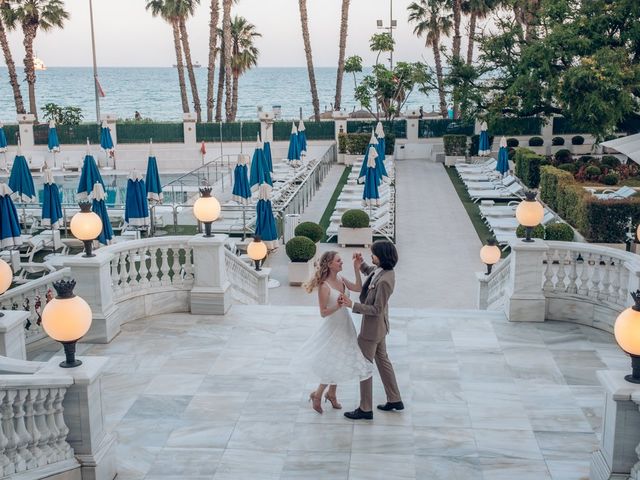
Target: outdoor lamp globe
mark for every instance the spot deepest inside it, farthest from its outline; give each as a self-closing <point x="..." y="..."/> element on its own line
<point x="627" y="332"/>
<point x="206" y="209"/>
<point x="6" y="277"/>
<point x="86" y="226"/>
<point x="490" y="254"/>
<point x="529" y="214"/>
<point x="66" y="319"/>
<point x="257" y="251"/>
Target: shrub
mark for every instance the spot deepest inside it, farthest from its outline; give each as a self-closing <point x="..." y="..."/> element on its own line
<point x="577" y="140"/>
<point x="563" y="156"/>
<point x="511" y="153"/>
<point x="537" y="232"/>
<point x="536" y="142"/>
<point x="610" y="179"/>
<point x="355" y="219"/>
<point x="455" y="144"/>
<point x="512" y="142"/>
<point x="561" y="232"/>
<point x="300" y="249"/>
<point x="610" y="161"/>
<point x="549" y="179"/>
<point x="569" y="167"/>
<point x="311" y="230"/>
<point x="557" y="141"/>
<point x="528" y="167"/>
<point x="356" y="143"/>
<point x="593" y="172"/>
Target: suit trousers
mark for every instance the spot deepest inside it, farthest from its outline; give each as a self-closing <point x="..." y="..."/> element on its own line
<point x="378" y="351"/>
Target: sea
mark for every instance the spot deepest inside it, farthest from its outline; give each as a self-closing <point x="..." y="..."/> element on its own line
<point x="155" y="93"/>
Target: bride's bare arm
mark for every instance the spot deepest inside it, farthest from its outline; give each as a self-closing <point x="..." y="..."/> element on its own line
<point x="323" y="301"/>
<point x="354" y="286"/>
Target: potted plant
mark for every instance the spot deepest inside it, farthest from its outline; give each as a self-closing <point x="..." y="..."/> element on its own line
<point x="301" y="252"/>
<point x="354" y="229"/>
<point x="311" y="230"/>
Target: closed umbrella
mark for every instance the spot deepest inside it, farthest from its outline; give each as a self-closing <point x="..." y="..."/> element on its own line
<point x="52" y="143"/>
<point x="267" y="156"/>
<point x="100" y="208"/>
<point x="88" y="177"/>
<point x="154" y="187"/>
<point x="136" y="208"/>
<point x="484" y="149"/>
<point x="106" y="142"/>
<point x="381" y="171"/>
<point x="241" y="191"/>
<point x="20" y="180"/>
<point x="51" y="208"/>
<point x="3" y="145"/>
<point x="382" y="143"/>
<point x="9" y="223"/>
<point x="293" y="154"/>
<point x="302" y="138"/>
<point x="370" y="195"/>
<point x="502" y="165"/>
<point x="259" y="174"/>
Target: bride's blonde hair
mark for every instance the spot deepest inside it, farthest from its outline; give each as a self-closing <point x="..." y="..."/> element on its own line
<point x="322" y="271"/>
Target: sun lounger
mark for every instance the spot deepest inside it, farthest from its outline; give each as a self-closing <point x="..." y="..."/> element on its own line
<point x="484" y="185"/>
<point x="512" y="192"/>
<point x="499" y="210"/>
<point x="512" y="223"/>
<point x="622" y="192"/>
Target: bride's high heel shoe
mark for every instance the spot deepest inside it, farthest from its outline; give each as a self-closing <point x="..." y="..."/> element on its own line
<point x="316" y="404"/>
<point x="334" y="401"/>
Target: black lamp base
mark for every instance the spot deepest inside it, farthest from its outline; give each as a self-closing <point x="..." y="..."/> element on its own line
<point x="632" y="379"/>
<point x="635" y="369"/>
<point x="70" y="354"/>
<point x="528" y="231"/>
<point x="488" y="269"/>
<point x="258" y="263"/>
<point x="88" y="249"/>
<point x="207" y="229"/>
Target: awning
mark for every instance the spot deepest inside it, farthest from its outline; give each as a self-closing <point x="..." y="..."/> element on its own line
<point x="629" y="146"/>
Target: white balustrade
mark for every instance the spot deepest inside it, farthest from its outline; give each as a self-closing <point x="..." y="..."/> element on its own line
<point x="491" y="293"/>
<point x="247" y="285"/>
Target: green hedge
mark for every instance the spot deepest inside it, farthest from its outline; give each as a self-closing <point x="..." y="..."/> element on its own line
<point x="11" y="131"/>
<point x="398" y="128"/>
<point x="356" y="143"/>
<point x="528" y="167"/>
<point x="67" y="134"/>
<point x="143" y="132"/>
<point x="325" y="130"/>
<point x="231" y="132"/>
<point x="515" y="126"/>
<point x="455" y="145"/>
<point x="439" y="127"/>
<point x="549" y="179"/>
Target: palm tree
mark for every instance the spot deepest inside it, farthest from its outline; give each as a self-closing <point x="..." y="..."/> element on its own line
<point x="11" y="67"/>
<point x="344" y="25"/>
<point x="244" y="55"/>
<point x="456" y="6"/>
<point x="33" y="15"/>
<point x="477" y="10"/>
<point x="221" y="75"/>
<point x="226" y="43"/>
<point x="165" y="9"/>
<point x="185" y="9"/>
<point x="211" y="68"/>
<point x="433" y="21"/>
<point x="307" y="51"/>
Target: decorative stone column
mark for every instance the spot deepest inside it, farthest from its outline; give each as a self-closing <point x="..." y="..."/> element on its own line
<point x="413" y="125"/>
<point x="12" y="341"/>
<point x="93" y="283"/>
<point x="546" y="130"/>
<point x="620" y="428"/>
<point x="93" y="447"/>
<point x="266" y="126"/>
<point x="189" y="126"/>
<point x="211" y="292"/>
<point x="340" y="119"/>
<point x="483" y="291"/>
<point x="25" y="124"/>
<point x="263" y="286"/>
<point x="525" y="300"/>
<point x="110" y="119"/>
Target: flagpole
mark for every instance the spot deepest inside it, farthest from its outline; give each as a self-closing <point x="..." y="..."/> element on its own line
<point x="95" y="66"/>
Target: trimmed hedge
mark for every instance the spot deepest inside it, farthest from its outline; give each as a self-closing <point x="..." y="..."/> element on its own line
<point x="300" y="249"/>
<point x="355" y="219"/>
<point x="563" y="155"/>
<point x="537" y="232"/>
<point x="455" y="144"/>
<point x="513" y="142"/>
<point x="610" y="179"/>
<point x="557" y="141"/>
<point x="311" y="230"/>
<point x="528" y="167"/>
<point x="356" y="143"/>
<point x="536" y="142"/>
<point x="610" y="161"/>
<point x="577" y="140"/>
<point x="561" y="232"/>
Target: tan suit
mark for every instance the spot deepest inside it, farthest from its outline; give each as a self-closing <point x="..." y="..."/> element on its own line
<point x="374" y="307"/>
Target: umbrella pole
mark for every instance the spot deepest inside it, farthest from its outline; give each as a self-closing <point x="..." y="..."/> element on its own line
<point x="244" y="223"/>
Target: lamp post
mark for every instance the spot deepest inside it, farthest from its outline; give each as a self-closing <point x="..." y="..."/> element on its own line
<point x="86" y="226"/>
<point x="529" y="214"/>
<point x="392" y="24"/>
<point x="6" y="277"/>
<point x="66" y="319"/>
<point x="490" y="254"/>
<point x="257" y="251"/>
<point x="95" y="64"/>
<point x="627" y="332"/>
<point x="206" y="209"/>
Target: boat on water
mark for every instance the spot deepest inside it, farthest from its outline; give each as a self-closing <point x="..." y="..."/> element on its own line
<point x="38" y="64"/>
<point x="195" y="65"/>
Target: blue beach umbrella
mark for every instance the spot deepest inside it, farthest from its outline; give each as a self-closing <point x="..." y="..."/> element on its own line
<point x="88" y="176"/>
<point x="100" y="208"/>
<point x="20" y="180"/>
<point x="3" y="139"/>
<point x="484" y="149"/>
<point x="267" y="156"/>
<point x="154" y="187"/>
<point x="382" y="143"/>
<point x="370" y="195"/>
<point x="302" y="138"/>
<point x="51" y="208"/>
<point x="241" y="191"/>
<point x="136" y="208"/>
<point x="502" y="165"/>
<point x="106" y="143"/>
<point x="259" y="173"/>
<point x="9" y="223"/>
<point x="293" y="155"/>
<point x="53" y="143"/>
<point x="266" y="223"/>
<point x="381" y="171"/>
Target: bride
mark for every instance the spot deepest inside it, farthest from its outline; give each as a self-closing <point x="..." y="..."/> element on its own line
<point x="332" y="353"/>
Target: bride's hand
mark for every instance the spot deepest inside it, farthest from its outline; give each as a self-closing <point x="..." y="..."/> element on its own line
<point x="357" y="260"/>
<point x="344" y="301"/>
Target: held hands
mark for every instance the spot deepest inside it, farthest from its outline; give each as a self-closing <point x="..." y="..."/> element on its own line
<point x="344" y="301"/>
<point x="357" y="261"/>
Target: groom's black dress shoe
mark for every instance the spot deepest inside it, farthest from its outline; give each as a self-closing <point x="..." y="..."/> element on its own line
<point x="391" y="406"/>
<point x="358" y="414"/>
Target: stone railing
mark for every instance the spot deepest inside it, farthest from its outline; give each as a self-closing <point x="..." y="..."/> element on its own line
<point x="492" y="287"/>
<point x="247" y="285"/>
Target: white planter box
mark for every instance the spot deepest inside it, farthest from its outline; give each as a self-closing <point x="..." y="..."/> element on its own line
<point x="355" y="236"/>
<point x="300" y="272"/>
<point x="450" y="160"/>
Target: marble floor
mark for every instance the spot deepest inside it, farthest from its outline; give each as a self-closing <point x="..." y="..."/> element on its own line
<point x="214" y="397"/>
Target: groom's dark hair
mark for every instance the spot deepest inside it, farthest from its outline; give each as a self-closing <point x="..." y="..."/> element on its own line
<point x="386" y="253"/>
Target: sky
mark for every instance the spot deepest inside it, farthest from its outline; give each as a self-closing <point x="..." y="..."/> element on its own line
<point x="127" y="35"/>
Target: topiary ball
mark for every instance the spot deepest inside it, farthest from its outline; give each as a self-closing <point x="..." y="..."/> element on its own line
<point x="311" y="230"/>
<point x="592" y="171"/>
<point x="556" y="141"/>
<point x="355" y="219"/>
<point x="300" y="249"/>
<point x="577" y="140"/>
<point x="563" y="156"/>
<point x="536" y="142"/>
<point x="610" y="179"/>
<point x="538" y="232"/>
<point x="610" y="161"/>
<point x="560" y="232"/>
<point x="569" y="167"/>
<point x="512" y="142"/>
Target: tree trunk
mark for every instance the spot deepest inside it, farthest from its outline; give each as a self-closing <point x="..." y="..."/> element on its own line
<point x="221" y="73"/>
<point x="344" y="26"/>
<point x="211" y="68"/>
<point x="457" y="39"/>
<point x="192" y="76"/>
<point x="11" y="67"/>
<point x="472" y="39"/>
<point x="180" y="65"/>
<point x="307" y="51"/>
<point x="30" y="32"/>
<point x="234" y="96"/>
<point x="226" y="32"/>
<point x="441" y="92"/>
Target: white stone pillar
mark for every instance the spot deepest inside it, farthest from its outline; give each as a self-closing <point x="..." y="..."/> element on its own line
<point x="340" y="119"/>
<point x="413" y="122"/>
<point x="483" y="290"/>
<point x="93" y="447"/>
<point x="12" y="341"/>
<point x="525" y="300"/>
<point x="111" y="118"/>
<point x="263" y="286"/>
<point x="477" y="126"/>
<point x="25" y="124"/>
<point x="266" y="126"/>
<point x="620" y="428"/>
<point x="211" y="292"/>
<point x="546" y="131"/>
<point x="189" y="126"/>
<point x="94" y="284"/>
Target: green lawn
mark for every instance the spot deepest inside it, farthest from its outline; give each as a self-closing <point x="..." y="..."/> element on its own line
<point x="326" y="216"/>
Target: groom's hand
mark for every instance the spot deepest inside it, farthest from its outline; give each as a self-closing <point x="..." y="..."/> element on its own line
<point x="344" y="301"/>
<point x="357" y="260"/>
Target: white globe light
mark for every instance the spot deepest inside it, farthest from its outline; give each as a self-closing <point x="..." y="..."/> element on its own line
<point x="86" y="225"/>
<point x="627" y="331"/>
<point x="490" y="254"/>
<point x="66" y="318"/>
<point x="257" y="250"/>
<point x="6" y="276"/>
<point x="206" y="209"/>
<point x="529" y="213"/>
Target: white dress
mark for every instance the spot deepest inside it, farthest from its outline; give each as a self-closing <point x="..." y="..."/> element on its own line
<point x="332" y="354"/>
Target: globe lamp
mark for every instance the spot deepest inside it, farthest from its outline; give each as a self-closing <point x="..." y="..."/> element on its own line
<point x="6" y="277"/>
<point x="86" y="226"/>
<point x="490" y="254"/>
<point x="257" y="251"/>
<point x="627" y="332"/>
<point x="529" y="214"/>
<point x="206" y="209"/>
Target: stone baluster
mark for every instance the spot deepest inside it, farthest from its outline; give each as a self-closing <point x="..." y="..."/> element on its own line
<point x="606" y="278"/>
<point x="188" y="263"/>
<point x="115" y="275"/>
<point x="164" y="266"/>
<point x="32" y="428"/>
<point x="40" y="413"/>
<point x="6" y="464"/>
<point x="561" y="273"/>
<point x="124" y="273"/>
<point x="594" y="278"/>
<point x="9" y="428"/>
<point x="61" y="442"/>
<point x="51" y="424"/>
<point x="176" y="277"/>
<point x="24" y="438"/>
<point x="155" y="279"/>
<point x="134" y="267"/>
<point x="144" y="270"/>
<point x="548" y="273"/>
<point x="615" y="280"/>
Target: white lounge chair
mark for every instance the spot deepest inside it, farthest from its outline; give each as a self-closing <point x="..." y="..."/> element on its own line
<point x="622" y="192"/>
<point x="508" y="210"/>
<point x="483" y="185"/>
<point x="512" y="192"/>
<point x="512" y="223"/>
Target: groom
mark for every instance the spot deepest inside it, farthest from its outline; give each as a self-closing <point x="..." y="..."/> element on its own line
<point x="373" y="305"/>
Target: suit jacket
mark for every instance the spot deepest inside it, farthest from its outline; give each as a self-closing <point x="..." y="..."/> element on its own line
<point x="374" y="303"/>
